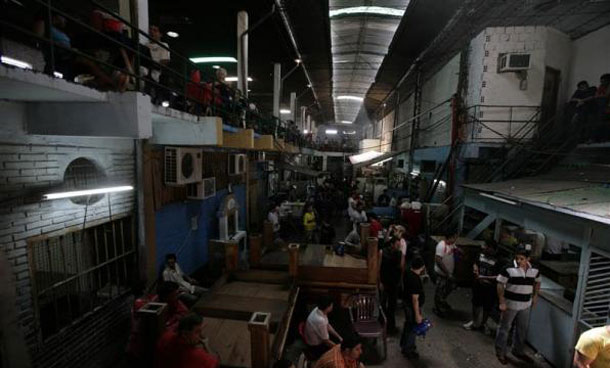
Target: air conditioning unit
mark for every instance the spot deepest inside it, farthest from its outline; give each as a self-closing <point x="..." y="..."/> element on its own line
<point x="513" y="62"/>
<point x="237" y="164"/>
<point x="182" y="165"/>
<point x="201" y="190"/>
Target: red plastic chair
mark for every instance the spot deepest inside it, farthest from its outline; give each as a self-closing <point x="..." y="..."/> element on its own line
<point x="368" y="319"/>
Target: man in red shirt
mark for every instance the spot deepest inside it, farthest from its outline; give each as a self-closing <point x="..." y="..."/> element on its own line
<point x="183" y="348"/>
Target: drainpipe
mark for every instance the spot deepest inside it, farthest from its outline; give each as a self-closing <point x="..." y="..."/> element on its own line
<point x="284" y="17"/>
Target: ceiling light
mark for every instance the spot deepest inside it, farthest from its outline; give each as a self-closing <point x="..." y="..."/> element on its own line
<point x="305" y="131"/>
<point x="284" y="111"/>
<point x="58" y="75"/>
<point x="331" y="131"/>
<point x="346" y="122"/>
<point x="80" y="193"/>
<point x="216" y="66"/>
<point x="308" y="85"/>
<point x="214" y="59"/>
<point x="499" y="199"/>
<point x="350" y="132"/>
<point x="298" y="61"/>
<point x="14" y="62"/>
<point x="352" y="98"/>
<point x="365" y="156"/>
<point x="172" y="34"/>
<point x="377" y="10"/>
<point x="382" y="162"/>
<point x="165" y="103"/>
<point x="234" y="79"/>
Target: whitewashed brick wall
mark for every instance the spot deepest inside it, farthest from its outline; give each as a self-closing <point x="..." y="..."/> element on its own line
<point x="29" y="167"/>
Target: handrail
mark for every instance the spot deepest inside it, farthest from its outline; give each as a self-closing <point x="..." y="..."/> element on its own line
<point x="233" y="109"/>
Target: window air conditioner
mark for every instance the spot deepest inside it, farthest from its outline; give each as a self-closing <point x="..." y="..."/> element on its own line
<point x="237" y="164"/>
<point x="182" y="165"/>
<point x="513" y="62"/>
<point x="201" y="190"/>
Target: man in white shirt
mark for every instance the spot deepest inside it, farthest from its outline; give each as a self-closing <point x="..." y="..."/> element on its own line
<point x="274" y="218"/>
<point x="318" y="329"/>
<point x="189" y="291"/>
<point x="443" y="266"/>
<point x="158" y="53"/>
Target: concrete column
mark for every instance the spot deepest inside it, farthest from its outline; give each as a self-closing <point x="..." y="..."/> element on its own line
<point x="293" y="263"/>
<point x="324" y="162"/>
<point x="242" y="53"/>
<point x="303" y="121"/>
<point x="309" y="124"/>
<point x="277" y="86"/>
<point x="372" y="259"/>
<point x="143" y="21"/>
<point x="293" y="106"/>
<point x="260" y="342"/>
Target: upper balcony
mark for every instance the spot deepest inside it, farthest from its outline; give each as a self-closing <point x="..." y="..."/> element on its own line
<point x="95" y="75"/>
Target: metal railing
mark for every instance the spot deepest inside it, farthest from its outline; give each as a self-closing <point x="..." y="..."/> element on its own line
<point x="499" y="123"/>
<point x="120" y="54"/>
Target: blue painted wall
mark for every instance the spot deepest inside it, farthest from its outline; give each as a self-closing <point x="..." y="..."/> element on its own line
<point x="174" y="234"/>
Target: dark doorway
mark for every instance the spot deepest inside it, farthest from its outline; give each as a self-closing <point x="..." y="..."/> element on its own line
<point x="552" y="79"/>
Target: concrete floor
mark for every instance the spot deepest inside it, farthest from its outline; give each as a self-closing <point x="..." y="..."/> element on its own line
<point x="448" y="344"/>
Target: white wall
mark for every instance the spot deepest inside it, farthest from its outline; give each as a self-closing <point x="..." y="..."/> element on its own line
<point x="591" y="57"/>
<point x="486" y="86"/>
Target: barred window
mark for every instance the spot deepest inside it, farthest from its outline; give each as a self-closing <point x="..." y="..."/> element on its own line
<point x="77" y="272"/>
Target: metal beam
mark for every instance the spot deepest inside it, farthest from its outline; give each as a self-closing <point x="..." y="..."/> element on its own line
<point x="481" y="226"/>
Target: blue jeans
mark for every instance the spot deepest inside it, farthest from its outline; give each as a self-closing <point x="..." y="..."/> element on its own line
<point x="407" y="340"/>
<point x="522" y="320"/>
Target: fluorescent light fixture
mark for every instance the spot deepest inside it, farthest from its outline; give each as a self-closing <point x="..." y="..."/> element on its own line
<point x="214" y="59"/>
<point x="88" y="192"/>
<point x="499" y="199"/>
<point x="284" y="111"/>
<point x="377" y="10"/>
<point x="308" y="85"/>
<point x="352" y="98"/>
<point x="350" y="132"/>
<point x="331" y="131"/>
<point x="14" y="62"/>
<point x="415" y="172"/>
<point x="216" y="66"/>
<point x="346" y="122"/>
<point x="365" y="156"/>
<point x="298" y="61"/>
<point x="382" y="162"/>
<point x="234" y="79"/>
<point x="305" y="131"/>
<point x="172" y="34"/>
<point x="165" y="103"/>
<point x="58" y="75"/>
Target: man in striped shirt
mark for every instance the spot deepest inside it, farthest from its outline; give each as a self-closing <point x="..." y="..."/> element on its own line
<point x="518" y="286"/>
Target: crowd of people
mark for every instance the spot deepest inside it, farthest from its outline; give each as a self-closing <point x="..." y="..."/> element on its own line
<point x="589" y="110"/>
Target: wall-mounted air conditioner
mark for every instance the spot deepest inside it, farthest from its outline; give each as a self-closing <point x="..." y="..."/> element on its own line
<point x="513" y="62"/>
<point x="201" y="190"/>
<point x="237" y="164"/>
<point x="182" y="165"/>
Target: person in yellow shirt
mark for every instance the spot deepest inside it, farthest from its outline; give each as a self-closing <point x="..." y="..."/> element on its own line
<point x="593" y="348"/>
<point x="309" y="223"/>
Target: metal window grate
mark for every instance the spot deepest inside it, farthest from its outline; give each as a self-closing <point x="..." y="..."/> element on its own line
<point x="596" y="300"/>
<point x="80" y="271"/>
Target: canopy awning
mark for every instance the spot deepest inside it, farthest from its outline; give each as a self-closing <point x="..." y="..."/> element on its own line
<point x="300" y="169"/>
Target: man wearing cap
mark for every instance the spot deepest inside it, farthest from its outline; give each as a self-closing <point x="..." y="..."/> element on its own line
<point x="518" y="286"/>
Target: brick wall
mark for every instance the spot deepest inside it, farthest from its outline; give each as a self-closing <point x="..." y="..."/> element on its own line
<point x="29" y="167"/>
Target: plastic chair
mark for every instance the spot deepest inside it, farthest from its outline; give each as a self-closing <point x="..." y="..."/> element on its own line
<point x="368" y="318"/>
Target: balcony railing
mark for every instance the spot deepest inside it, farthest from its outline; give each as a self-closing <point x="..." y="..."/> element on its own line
<point x="501" y="123"/>
<point x="108" y="52"/>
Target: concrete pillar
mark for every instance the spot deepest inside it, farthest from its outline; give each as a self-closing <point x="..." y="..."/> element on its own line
<point x="242" y="53"/>
<point x="143" y="21"/>
<point x="260" y="342"/>
<point x="309" y="124"/>
<point x="293" y="106"/>
<point x="302" y="123"/>
<point x="277" y="86"/>
<point x="256" y="241"/>
<point x="293" y="263"/>
<point x="372" y="259"/>
<point x="324" y="162"/>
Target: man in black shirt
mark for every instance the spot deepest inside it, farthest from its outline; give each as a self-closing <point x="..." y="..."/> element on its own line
<point x="389" y="279"/>
<point x="582" y="106"/>
<point x="413" y="299"/>
<point x="484" y="294"/>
